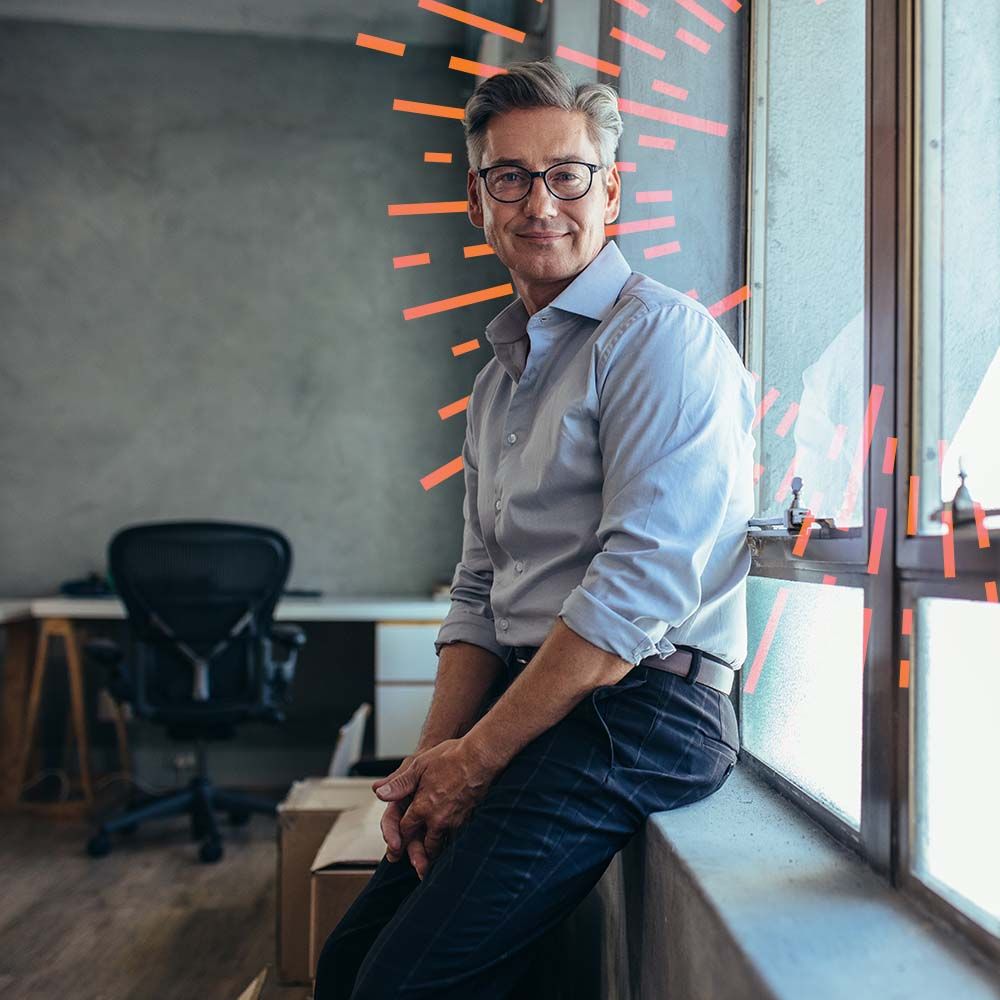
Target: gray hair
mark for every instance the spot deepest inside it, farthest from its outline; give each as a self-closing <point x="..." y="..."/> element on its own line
<point x="542" y="84"/>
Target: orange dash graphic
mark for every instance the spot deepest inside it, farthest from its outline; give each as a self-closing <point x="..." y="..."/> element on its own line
<point x="764" y="405"/>
<point x="633" y="5"/>
<point x="889" y="457"/>
<point x="731" y="301"/>
<point x="639" y="226"/>
<point x="656" y="141"/>
<point x="434" y="110"/>
<point x="637" y="43"/>
<point x="582" y="59"/>
<point x="802" y="540"/>
<point x="465" y="347"/>
<point x="829" y="580"/>
<point x="904" y="673"/>
<point x="429" y="208"/>
<point x="473" y="20"/>
<point x="458" y="301"/>
<point x="907" y="625"/>
<point x="787" y="420"/>
<point x="440" y="475"/>
<point x="948" y="545"/>
<point x="473" y="67"/>
<point x="437" y="157"/>
<point x="911" y="505"/>
<point x="661" y="250"/>
<point x="878" y="536"/>
<point x="866" y="631"/>
<point x="710" y="20"/>
<point x="696" y="43"/>
<point x="625" y="166"/>
<point x="733" y="5"/>
<point x="477" y="250"/>
<point x="646" y="197"/>
<point x="981" y="533"/>
<point x="837" y="441"/>
<point x="767" y="638"/>
<point x="452" y="408"/>
<point x="670" y="90"/>
<point x="672" y="117"/>
<point x="380" y="44"/>
<point x="854" y="479"/>
<point x="692" y="293"/>
<point x="991" y="592"/>
<point x="411" y="260"/>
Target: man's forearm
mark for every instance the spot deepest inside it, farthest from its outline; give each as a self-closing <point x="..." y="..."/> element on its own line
<point x="466" y="673"/>
<point x="564" y="670"/>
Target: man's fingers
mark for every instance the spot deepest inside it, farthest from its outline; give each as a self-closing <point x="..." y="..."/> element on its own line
<point x="418" y="857"/>
<point x="400" y="786"/>
<point x="390" y="826"/>
<point x="434" y="842"/>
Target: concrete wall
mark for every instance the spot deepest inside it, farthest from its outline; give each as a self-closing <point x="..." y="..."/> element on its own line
<point x="200" y="313"/>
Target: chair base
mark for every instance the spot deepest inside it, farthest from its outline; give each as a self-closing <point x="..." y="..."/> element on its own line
<point x="199" y="801"/>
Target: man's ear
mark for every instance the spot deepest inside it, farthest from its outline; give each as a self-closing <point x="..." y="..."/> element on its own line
<point x="475" y="205"/>
<point x="613" y="194"/>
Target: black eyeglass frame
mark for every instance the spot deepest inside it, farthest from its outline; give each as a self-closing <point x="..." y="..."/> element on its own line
<point x="532" y="174"/>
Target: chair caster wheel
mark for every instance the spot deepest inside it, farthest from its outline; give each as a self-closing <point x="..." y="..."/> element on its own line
<point x="99" y="845"/>
<point x="210" y="851"/>
<point x="239" y="817"/>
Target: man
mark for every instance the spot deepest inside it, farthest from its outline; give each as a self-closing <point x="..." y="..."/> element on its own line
<point x="598" y="608"/>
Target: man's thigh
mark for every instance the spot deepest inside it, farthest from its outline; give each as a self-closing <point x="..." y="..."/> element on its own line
<point x="532" y="849"/>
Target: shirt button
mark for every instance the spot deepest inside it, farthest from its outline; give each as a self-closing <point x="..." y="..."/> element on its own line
<point x="504" y="624"/>
<point x="497" y="505"/>
<point x="519" y="566"/>
<point x="511" y="438"/>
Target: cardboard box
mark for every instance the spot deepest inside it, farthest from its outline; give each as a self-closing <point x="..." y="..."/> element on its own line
<point x="342" y="867"/>
<point x="304" y="819"/>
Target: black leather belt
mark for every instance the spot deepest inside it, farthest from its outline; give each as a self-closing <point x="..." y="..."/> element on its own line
<point x="694" y="665"/>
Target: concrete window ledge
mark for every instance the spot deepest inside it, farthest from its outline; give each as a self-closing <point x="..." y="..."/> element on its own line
<point x="741" y="897"/>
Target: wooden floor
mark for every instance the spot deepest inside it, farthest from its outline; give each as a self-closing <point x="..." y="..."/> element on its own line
<point x="147" y="922"/>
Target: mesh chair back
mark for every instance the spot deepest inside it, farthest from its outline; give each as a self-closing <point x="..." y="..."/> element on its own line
<point x="199" y="595"/>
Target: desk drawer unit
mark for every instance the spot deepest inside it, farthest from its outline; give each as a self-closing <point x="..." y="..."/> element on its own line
<point x="405" y="668"/>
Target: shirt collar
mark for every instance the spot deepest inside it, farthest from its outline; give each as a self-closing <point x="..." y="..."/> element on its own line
<point x="592" y="293"/>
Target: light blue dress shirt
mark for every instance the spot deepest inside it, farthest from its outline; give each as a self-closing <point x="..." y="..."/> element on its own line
<point x="608" y="464"/>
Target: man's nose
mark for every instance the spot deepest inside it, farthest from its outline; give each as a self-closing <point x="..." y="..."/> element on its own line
<point x="539" y="201"/>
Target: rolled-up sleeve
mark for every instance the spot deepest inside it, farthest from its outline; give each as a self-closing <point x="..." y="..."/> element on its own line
<point x="676" y="407"/>
<point x="470" y="618"/>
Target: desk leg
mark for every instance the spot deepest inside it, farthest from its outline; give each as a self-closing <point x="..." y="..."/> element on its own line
<point x="16" y="673"/>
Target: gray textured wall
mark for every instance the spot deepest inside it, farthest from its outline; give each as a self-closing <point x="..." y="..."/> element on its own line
<point x="200" y="314"/>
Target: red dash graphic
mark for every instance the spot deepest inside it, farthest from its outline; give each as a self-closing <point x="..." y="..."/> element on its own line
<point x="948" y="545"/>
<point x="452" y="408"/>
<point x="612" y="69"/>
<point x="661" y="250"/>
<point x="981" y="533"/>
<point x="991" y="592"/>
<point x="465" y="347"/>
<point x="942" y="448"/>
<point x="766" y="639"/>
<point x="434" y="110"/>
<point x="639" y="226"/>
<point x="731" y="301"/>
<point x="692" y="293"/>
<point x="866" y="631"/>
<point x="437" y="157"/>
<point x="703" y="15"/>
<point x="878" y="535"/>
<point x="458" y="301"/>
<point x="445" y="472"/>
<point x="854" y="479"/>
<point x="799" y="549"/>
<point x="764" y="405"/>
<point x="477" y="250"/>
<point x="672" y="117"/>
<point x="484" y="24"/>
<point x="670" y="90"/>
<point x="411" y="260"/>
<point x="911" y="505"/>
<point x="889" y="457"/>
<point x="429" y="208"/>
<point x="907" y="628"/>
<point x="656" y="142"/>
<point x="837" y="441"/>
<point x="380" y="44"/>
<point x="733" y="5"/>
<point x="625" y="166"/>
<point x="473" y="67"/>
<point x="699" y="44"/>
<point x="758" y="471"/>
<point x="638" y="43"/>
<point x="645" y="197"/>
<point x="829" y="580"/>
<point x="633" y="5"/>
<point x="787" y="420"/>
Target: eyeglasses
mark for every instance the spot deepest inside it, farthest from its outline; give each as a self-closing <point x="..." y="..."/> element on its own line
<point x="566" y="181"/>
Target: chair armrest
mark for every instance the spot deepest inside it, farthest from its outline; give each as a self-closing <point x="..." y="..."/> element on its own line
<point x="289" y="636"/>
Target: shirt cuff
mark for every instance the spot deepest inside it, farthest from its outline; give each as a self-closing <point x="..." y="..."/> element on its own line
<point x="470" y="628"/>
<point x="598" y="624"/>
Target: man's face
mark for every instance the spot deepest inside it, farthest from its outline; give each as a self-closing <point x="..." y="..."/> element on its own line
<point x="541" y="238"/>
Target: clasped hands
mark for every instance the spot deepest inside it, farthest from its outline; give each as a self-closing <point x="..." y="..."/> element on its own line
<point x="430" y="794"/>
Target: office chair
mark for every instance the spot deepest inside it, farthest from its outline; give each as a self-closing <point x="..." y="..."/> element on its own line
<point x="201" y="657"/>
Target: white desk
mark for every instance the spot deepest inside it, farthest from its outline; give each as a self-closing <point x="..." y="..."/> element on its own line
<point x="405" y="665"/>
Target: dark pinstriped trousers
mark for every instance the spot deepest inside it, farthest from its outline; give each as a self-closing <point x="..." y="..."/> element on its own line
<point x="534" y="846"/>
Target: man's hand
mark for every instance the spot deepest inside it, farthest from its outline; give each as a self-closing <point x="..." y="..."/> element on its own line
<point x="435" y="791"/>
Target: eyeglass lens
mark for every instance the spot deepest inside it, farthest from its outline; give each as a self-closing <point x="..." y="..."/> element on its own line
<point x="564" y="180"/>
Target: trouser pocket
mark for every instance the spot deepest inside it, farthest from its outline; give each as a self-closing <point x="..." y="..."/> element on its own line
<point x="604" y="702"/>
